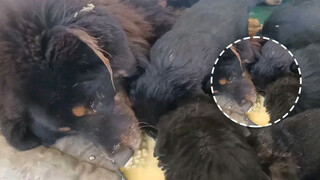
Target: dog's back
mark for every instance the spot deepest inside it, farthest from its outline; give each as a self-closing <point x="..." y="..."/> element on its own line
<point x="184" y="56"/>
<point x="196" y="141"/>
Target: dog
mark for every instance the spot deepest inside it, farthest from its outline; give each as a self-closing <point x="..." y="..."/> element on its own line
<point x="270" y="63"/>
<point x="232" y="79"/>
<point x="64" y="66"/>
<point x="290" y="148"/>
<point x="294" y="33"/>
<point x="156" y="13"/>
<point x="301" y="38"/>
<point x="182" y="58"/>
<point x="287" y="88"/>
<point x="196" y="141"/>
<point x="308" y="59"/>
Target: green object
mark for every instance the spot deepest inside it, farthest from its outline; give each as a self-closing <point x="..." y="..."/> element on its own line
<point x="264" y="11"/>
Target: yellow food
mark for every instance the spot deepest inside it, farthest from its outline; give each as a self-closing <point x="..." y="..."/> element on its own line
<point x="258" y="113"/>
<point x="143" y="166"/>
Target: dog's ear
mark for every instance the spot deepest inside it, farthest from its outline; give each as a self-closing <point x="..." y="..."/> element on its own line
<point x="294" y="68"/>
<point x="63" y="43"/>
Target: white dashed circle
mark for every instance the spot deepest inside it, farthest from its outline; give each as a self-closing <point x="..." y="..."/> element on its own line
<point x="243" y="39"/>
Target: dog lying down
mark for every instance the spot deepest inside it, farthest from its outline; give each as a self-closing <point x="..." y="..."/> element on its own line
<point x="196" y="141"/>
<point x="53" y="76"/>
<point x="289" y="149"/>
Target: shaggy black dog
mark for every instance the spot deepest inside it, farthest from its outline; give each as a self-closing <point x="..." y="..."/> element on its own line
<point x="309" y="63"/>
<point x="196" y="141"/>
<point x="270" y="63"/>
<point x="289" y="149"/>
<point x="231" y="79"/>
<point x="296" y="24"/>
<point x="301" y="35"/>
<point x="53" y="76"/>
<point x="184" y="56"/>
<point x="288" y="87"/>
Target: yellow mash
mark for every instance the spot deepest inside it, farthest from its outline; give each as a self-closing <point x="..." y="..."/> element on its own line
<point x="258" y="113"/>
<point x="143" y="166"/>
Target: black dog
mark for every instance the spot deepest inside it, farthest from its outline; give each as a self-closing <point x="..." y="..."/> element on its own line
<point x="232" y="79"/>
<point x="196" y="141"/>
<point x="54" y="80"/>
<point x="308" y="59"/>
<point x="301" y="35"/>
<point x="281" y="95"/>
<point x="184" y="56"/>
<point x="295" y="25"/>
<point x="271" y="62"/>
<point x="290" y="148"/>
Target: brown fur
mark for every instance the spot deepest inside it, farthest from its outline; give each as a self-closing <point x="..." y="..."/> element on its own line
<point x="53" y="55"/>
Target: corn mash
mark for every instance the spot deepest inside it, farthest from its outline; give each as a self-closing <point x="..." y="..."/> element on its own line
<point x="143" y="166"/>
<point x="258" y="113"/>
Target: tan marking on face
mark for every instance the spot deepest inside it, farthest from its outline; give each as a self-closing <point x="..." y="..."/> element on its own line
<point x="223" y="81"/>
<point x="79" y="111"/>
<point x="64" y="129"/>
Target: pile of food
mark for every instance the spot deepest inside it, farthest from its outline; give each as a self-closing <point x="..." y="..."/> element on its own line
<point x="143" y="165"/>
<point x="258" y="112"/>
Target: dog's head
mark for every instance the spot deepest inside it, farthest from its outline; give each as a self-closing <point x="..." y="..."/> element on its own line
<point x="75" y="91"/>
<point x="67" y="83"/>
<point x="273" y="62"/>
<point x="232" y="79"/>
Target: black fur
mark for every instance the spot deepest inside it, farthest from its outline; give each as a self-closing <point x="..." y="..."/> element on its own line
<point x="270" y="64"/>
<point x="160" y="17"/>
<point x="184" y="56"/>
<point x="46" y="69"/>
<point x="288" y="84"/>
<point x="237" y="83"/>
<point x="309" y="63"/>
<point x="296" y="24"/>
<point x="281" y="95"/>
<point x="290" y="149"/>
<point x="196" y="141"/>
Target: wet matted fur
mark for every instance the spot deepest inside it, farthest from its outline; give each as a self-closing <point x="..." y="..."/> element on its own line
<point x="53" y="58"/>
<point x="196" y="141"/>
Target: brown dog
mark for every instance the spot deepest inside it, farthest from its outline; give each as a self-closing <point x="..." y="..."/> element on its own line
<point x="53" y="76"/>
